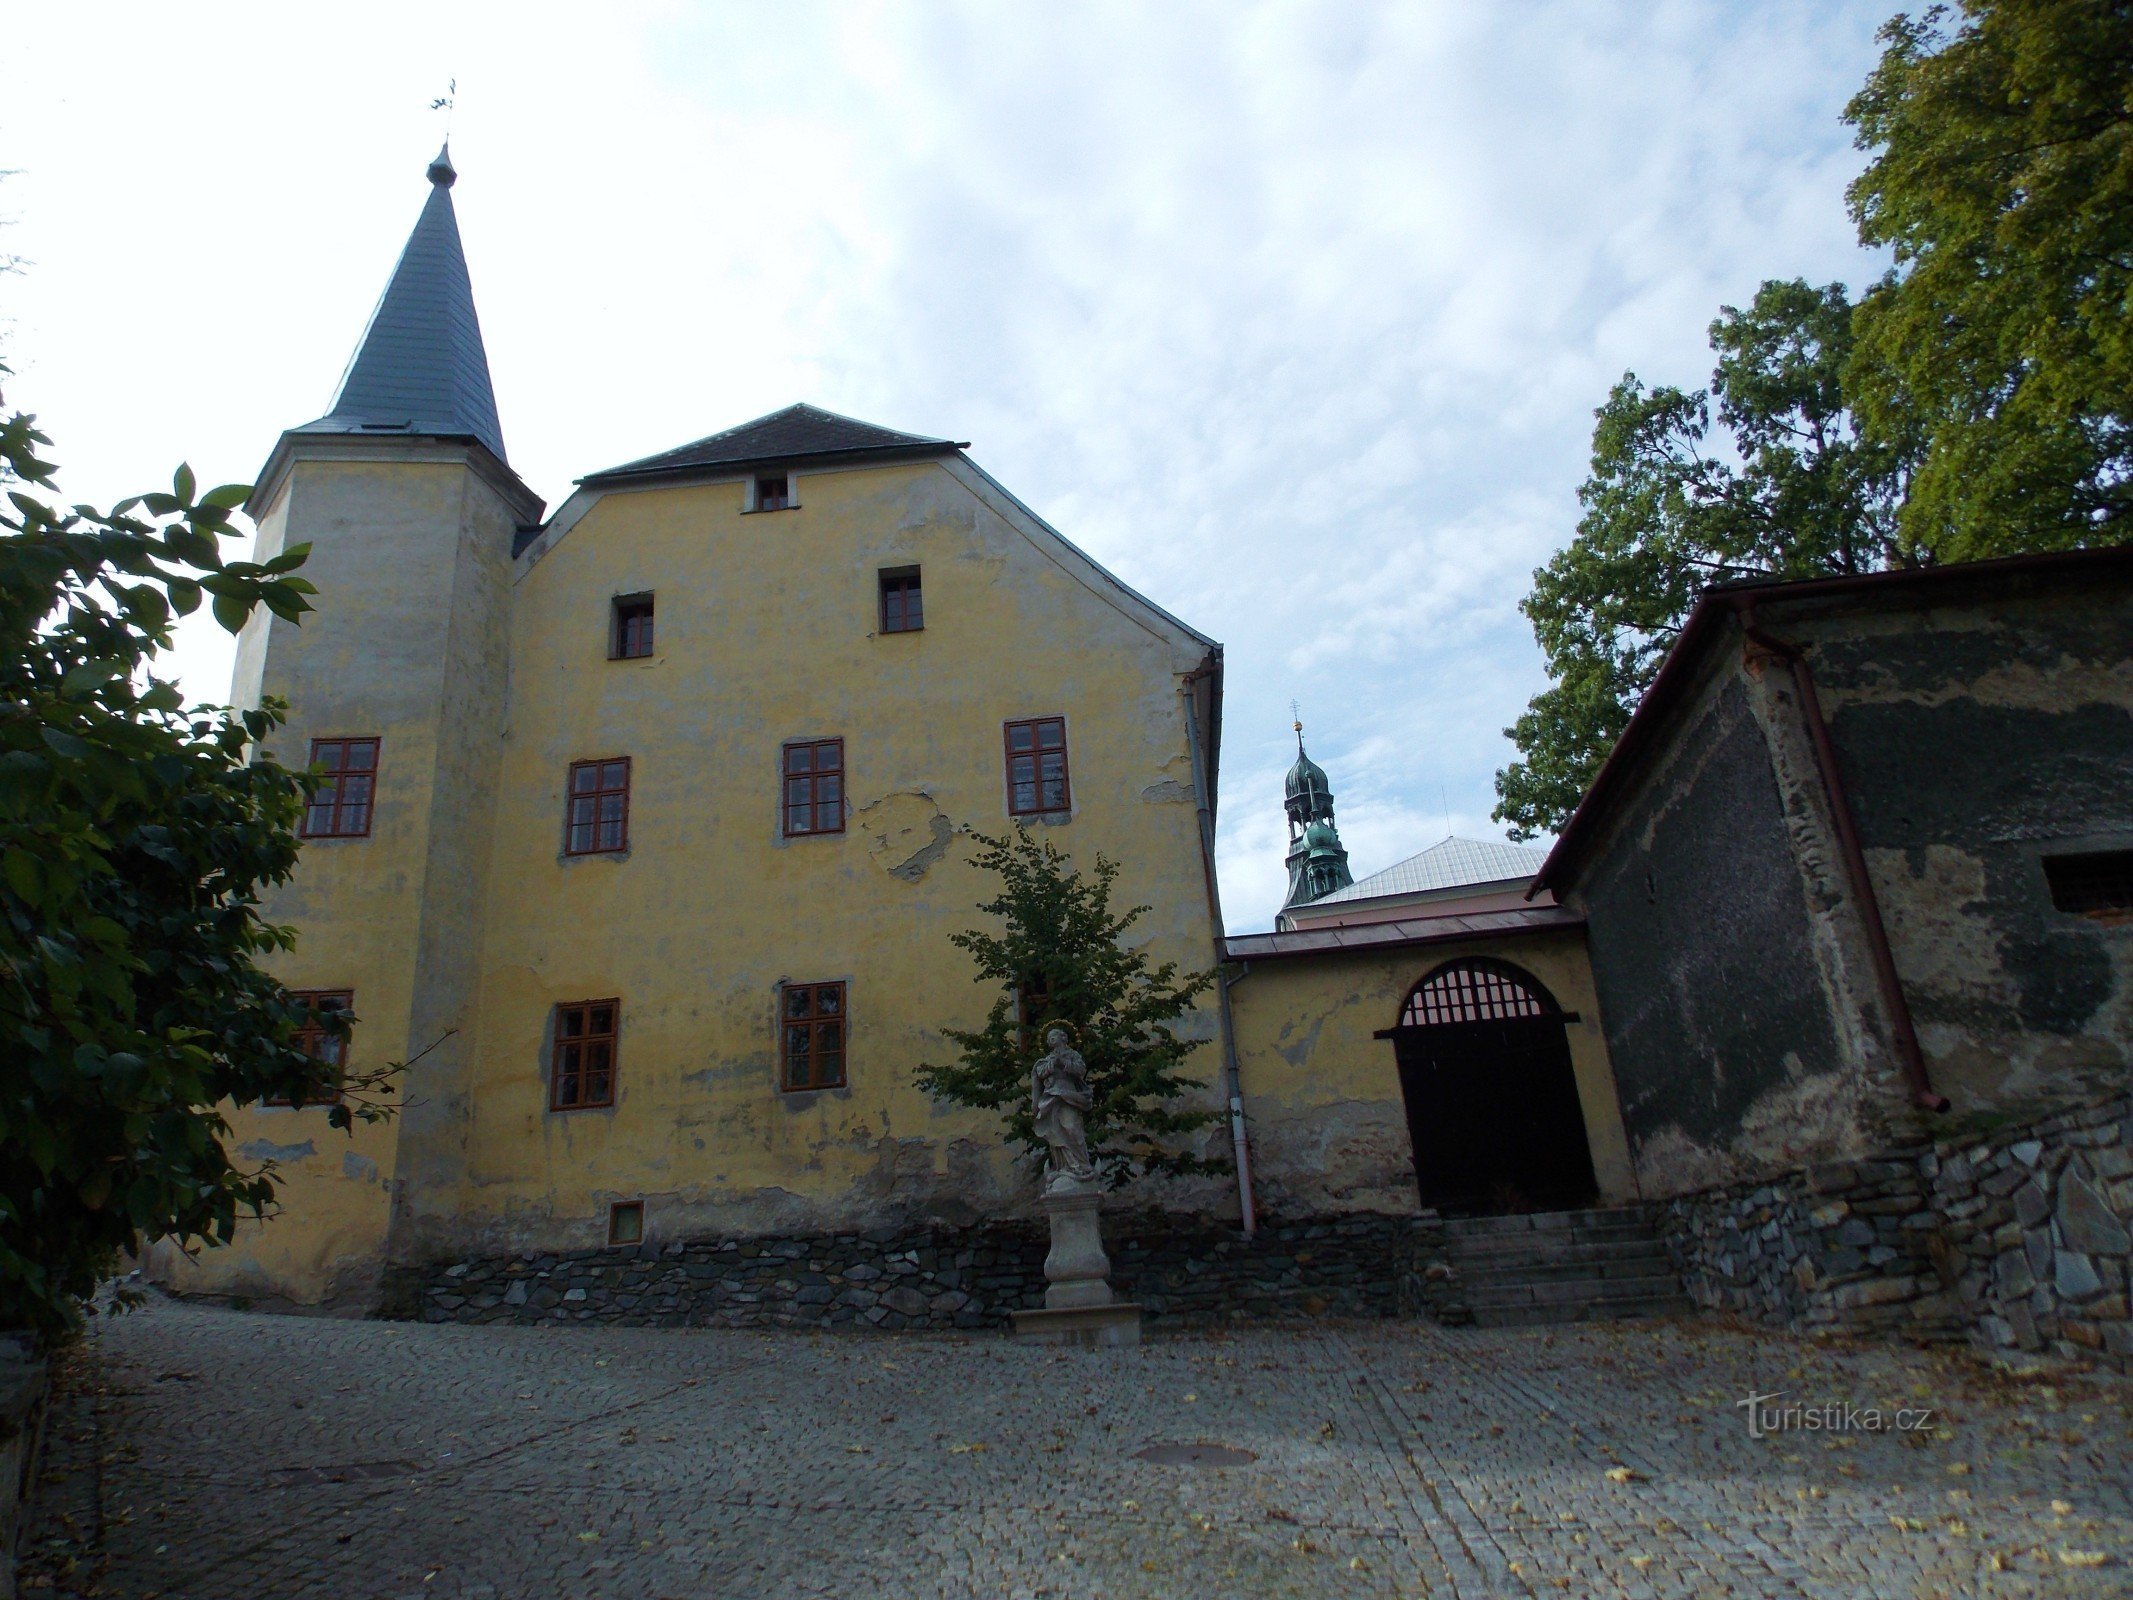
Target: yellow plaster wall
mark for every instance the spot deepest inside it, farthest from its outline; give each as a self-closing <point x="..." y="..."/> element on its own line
<point x="766" y="631"/>
<point x="1322" y="1096"/>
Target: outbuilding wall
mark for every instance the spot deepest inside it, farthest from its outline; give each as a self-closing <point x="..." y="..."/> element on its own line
<point x="1322" y="1094"/>
<point x="1979" y="737"/>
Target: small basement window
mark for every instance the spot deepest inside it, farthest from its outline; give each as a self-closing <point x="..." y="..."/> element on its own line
<point x="903" y="608"/>
<point x="773" y="492"/>
<point x="2098" y="885"/>
<point x="625" y="1222"/>
<point x="630" y="635"/>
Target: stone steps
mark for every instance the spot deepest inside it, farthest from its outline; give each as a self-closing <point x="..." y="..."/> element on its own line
<point x="1561" y="1266"/>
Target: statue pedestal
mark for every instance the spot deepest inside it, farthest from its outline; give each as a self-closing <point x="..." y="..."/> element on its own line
<point x="1079" y="1307"/>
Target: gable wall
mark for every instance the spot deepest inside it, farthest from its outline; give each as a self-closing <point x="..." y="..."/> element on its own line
<point x="765" y="627"/>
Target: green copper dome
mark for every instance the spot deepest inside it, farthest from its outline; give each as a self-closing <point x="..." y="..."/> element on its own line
<point x="1317" y="864"/>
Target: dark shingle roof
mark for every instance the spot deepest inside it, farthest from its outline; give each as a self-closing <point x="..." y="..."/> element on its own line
<point x="798" y="433"/>
<point x="420" y="367"/>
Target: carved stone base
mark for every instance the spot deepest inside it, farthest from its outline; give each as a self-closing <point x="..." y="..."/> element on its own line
<point x="1077" y="1271"/>
<point x="1097" y="1326"/>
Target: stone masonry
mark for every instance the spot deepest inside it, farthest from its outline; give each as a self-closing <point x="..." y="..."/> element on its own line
<point x="933" y="1278"/>
<point x="2017" y="1240"/>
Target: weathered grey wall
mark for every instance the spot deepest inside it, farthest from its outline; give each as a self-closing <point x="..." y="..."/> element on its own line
<point x="1976" y="739"/>
<point x="1718" y="1019"/>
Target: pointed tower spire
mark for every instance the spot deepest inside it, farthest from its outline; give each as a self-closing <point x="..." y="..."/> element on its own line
<point x="420" y="367"/>
<point x="1317" y="862"/>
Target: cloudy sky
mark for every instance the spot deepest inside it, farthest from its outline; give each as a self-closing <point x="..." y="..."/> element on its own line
<point x="1293" y="315"/>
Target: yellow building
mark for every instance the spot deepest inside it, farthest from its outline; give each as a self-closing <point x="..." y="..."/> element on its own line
<point x="647" y="824"/>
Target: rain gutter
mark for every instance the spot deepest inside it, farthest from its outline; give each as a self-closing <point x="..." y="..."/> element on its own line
<point x="1232" y="1080"/>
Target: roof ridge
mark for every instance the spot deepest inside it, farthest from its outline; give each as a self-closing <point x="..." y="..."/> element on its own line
<point x="794" y="432"/>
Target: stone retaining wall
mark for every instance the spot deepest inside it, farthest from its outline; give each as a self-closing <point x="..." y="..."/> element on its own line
<point x="2019" y="1240"/>
<point x="921" y="1278"/>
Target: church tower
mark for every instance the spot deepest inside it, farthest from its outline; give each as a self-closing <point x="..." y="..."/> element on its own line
<point x="1317" y="863"/>
<point x="396" y="685"/>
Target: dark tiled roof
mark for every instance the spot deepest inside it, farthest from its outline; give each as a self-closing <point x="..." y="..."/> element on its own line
<point x="420" y="367"/>
<point x="1405" y="933"/>
<point x="798" y="433"/>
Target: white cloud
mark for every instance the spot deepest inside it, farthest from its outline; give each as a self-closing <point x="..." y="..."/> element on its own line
<point x="1294" y="314"/>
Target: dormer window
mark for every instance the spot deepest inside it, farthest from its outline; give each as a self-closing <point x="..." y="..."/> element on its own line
<point x="772" y="491"/>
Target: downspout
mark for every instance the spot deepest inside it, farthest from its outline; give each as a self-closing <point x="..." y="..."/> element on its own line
<point x="1232" y="1080"/>
<point x="1877" y="937"/>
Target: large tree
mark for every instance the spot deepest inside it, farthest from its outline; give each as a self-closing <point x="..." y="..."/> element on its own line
<point x="2002" y="180"/>
<point x="1058" y="953"/>
<point x="1975" y="403"/>
<point x="1777" y="483"/>
<point x="136" y="834"/>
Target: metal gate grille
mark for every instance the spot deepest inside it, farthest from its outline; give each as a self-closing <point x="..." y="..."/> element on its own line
<point x="1471" y="992"/>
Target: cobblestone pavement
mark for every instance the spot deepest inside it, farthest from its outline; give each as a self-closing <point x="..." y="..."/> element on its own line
<point x="231" y="1455"/>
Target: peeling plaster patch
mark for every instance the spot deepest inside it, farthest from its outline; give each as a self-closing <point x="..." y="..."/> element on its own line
<point x="1813" y="1118"/>
<point x="1168" y="792"/>
<point x="1351" y="1155"/>
<point x="268" y="1150"/>
<point x="361" y="1168"/>
<point x="906" y="834"/>
<point x="1298" y="1054"/>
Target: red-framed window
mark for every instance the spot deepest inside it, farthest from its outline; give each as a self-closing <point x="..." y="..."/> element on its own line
<point x="583" y="1070"/>
<point x="903" y="604"/>
<point x="599" y="817"/>
<point x="341" y="804"/>
<point x="1037" y="767"/>
<point x="773" y="492"/>
<point x="814" y="786"/>
<point x="811" y="1036"/>
<point x="630" y="635"/>
<point x="315" y="1042"/>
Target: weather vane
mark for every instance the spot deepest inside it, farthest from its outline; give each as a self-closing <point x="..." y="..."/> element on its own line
<point x="445" y="102"/>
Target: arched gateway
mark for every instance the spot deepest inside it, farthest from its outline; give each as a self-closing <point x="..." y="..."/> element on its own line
<point x="1492" y="1104"/>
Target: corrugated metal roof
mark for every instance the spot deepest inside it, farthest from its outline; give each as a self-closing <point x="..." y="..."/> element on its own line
<point x="797" y="432"/>
<point x="420" y="367"/>
<point x="1407" y="931"/>
<point x="1451" y="864"/>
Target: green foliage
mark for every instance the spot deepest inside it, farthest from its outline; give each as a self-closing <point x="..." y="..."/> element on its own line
<point x="1779" y="484"/>
<point x="1975" y="402"/>
<point x="2002" y="179"/>
<point x="1059" y="938"/>
<point x="135" y="837"/>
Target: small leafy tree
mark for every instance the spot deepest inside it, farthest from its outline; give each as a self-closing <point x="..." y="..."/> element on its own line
<point x="136" y="834"/>
<point x="1058" y="952"/>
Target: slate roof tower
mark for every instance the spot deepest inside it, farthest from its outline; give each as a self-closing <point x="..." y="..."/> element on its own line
<point x="420" y="367"/>
<point x="403" y="493"/>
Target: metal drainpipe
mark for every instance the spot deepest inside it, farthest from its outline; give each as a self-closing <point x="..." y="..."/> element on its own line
<point x="1232" y="1080"/>
<point x="1877" y="936"/>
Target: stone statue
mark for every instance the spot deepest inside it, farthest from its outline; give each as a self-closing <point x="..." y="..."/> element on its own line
<point x="1059" y="1096"/>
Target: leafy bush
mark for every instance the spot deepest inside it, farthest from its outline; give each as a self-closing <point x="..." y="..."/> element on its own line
<point x="136" y="835"/>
